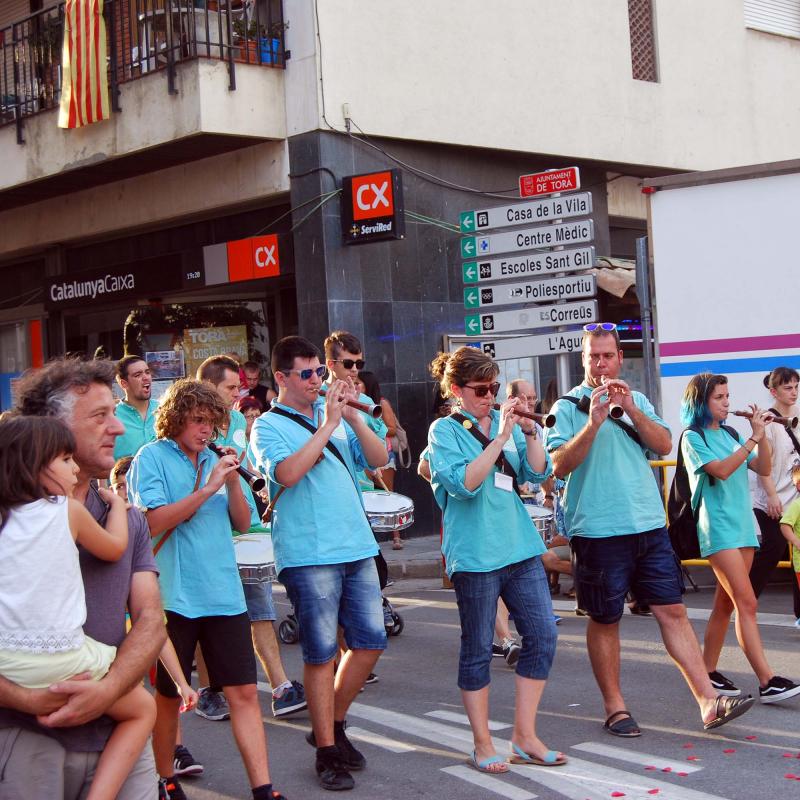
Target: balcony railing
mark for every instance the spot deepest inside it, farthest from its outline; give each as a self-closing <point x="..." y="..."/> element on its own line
<point x="143" y="36"/>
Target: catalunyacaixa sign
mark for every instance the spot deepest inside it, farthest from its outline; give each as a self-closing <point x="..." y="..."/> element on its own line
<point x="372" y="207"/>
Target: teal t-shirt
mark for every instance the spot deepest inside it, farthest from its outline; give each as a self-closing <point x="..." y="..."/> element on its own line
<point x="725" y="518"/>
<point x="138" y="431"/>
<point x="486" y="528"/>
<point x="613" y="492"/>
<point x="197" y="565"/>
<point x="321" y="519"/>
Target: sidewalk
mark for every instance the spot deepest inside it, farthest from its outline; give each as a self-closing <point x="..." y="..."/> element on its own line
<point x="421" y="557"/>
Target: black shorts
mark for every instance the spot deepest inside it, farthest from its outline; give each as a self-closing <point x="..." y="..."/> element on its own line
<point x="227" y="649"/>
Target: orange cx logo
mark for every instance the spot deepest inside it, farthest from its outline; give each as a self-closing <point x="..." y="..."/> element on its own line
<point x="253" y="258"/>
<point x="372" y="196"/>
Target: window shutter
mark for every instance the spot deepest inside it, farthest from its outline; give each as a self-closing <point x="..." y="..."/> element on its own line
<point x="773" y="16"/>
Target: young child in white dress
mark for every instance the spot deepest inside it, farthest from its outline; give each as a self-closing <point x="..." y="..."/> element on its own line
<point x="42" y="602"/>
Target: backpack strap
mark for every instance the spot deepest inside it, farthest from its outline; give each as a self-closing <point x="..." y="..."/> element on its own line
<point x="501" y="462"/>
<point x="788" y="430"/>
<point x="583" y="404"/>
<point x="163" y="540"/>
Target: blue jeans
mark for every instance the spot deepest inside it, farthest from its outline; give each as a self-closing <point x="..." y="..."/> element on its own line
<point x="330" y="595"/>
<point x="607" y="568"/>
<point x="260" y="606"/>
<point x="523" y="587"/>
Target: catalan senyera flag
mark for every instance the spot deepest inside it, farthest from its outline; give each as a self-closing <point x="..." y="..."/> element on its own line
<point x="84" y="92"/>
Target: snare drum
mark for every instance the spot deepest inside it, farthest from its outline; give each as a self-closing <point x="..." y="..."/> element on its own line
<point x="388" y="511"/>
<point x="255" y="557"/>
<point x="542" y="518"/>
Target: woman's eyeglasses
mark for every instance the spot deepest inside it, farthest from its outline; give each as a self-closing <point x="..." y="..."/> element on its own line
<point x="349" y="363"/>
<point x="305" y="374"/>
<point x="482" y="391"/>
<point x="591" y="327"/>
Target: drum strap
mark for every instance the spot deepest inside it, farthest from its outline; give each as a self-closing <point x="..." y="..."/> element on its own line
<point x="162" y="541"/>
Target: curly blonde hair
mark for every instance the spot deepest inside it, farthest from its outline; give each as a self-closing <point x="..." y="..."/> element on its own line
<point x="186" y="397"/>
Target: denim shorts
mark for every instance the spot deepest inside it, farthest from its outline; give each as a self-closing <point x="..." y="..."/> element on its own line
<point x="523" y="587"/>
<point x="330" y="595"/>
<point x="606" y="569"/>
<point x="258" y="597"/>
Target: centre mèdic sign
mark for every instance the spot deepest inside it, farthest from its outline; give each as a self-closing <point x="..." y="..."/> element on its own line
<point x="372" y="207"/>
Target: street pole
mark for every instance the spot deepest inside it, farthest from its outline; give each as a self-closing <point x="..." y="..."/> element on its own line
<point x="643" y="291"/>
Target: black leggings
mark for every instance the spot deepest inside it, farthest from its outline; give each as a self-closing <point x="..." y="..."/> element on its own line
<point x="773" y="549"/>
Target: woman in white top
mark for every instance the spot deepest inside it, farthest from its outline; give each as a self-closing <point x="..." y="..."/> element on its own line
<point x="42" y="602"/>
<point x="775" y="491"/>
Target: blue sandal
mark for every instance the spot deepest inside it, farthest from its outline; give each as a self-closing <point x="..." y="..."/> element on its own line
<point x="483" y="766"/>
<point x="551" y="758"/>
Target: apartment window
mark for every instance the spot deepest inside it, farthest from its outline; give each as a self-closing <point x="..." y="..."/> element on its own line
<point x="773" y="16"/>
<point x="643" y="40"/>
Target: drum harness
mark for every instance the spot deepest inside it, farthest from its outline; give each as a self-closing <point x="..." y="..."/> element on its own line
<point x="167" y="534"/>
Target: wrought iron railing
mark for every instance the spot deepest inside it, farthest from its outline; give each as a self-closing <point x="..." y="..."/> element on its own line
<point x="143" y="36"/>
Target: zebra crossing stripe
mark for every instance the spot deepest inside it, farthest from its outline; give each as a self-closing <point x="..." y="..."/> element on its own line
<point x="393" y="745"/>
<point x="642" y="759"/>
<point x="496" y="785"/>
<point x="587" y="780"/>
<point x="463" y="719"/>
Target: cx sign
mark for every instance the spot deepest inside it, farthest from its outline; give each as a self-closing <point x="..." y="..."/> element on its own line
<point x="372" y="207"/>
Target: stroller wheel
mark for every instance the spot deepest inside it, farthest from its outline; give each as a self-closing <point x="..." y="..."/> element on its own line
<point x="398" y="626"/>
<point x="287" y="631"/>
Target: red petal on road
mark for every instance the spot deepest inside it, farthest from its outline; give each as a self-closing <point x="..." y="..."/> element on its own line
<point x="688" y="746"/>
<point x="729" y="750"/>
<point x="618" y="794"/>
<point x="692" y="758"/>
<point x="651" y="768"/>
<point x="790" y="776"/>
<point x="653" y="791"/>
<point x="788" y="755"/>
<point x="682" y="774"/>
<point x="751" y="738"/>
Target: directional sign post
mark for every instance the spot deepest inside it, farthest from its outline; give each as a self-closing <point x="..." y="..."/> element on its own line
<point x="545" y="210"/>
<point x="547" y="344"/>
<point x="528" y="239"/>
<point x="547" y="291"/>
<point x="534" y="317"/>
<point x="528" y="265"/>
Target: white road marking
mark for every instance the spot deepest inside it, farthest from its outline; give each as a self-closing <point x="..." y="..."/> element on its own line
<point x="463" y="719"/>
<point x="587" y="780"/>
<point x="643" y="759"/>
<point x="496" y="785"/>
<point x="393" y="745"/>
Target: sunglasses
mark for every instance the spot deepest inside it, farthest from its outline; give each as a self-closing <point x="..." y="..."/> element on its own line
<point x="348" y="363"/>
<point x="482" y="391"/>
<point x="305" y="374"/>
<point x="600" y="326"/>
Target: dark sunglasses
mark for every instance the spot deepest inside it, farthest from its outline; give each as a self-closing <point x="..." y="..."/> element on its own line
<point x="591" y="327"/>
<point x="305" y="374"/>
<point x="348" y="363"/>
<point x="482" y="391"/>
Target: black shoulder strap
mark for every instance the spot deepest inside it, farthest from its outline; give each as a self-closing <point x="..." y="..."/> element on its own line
<point x="502" y="462"/>
<point x="789" y="431"/>
<point x="303" y="423"/>
<point x="583" y="404"/>
<point x="699" y="430"/>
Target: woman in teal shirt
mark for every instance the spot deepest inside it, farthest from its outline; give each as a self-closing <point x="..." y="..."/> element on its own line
<point x="491" y="547"/>
<point x="716" y="463"/>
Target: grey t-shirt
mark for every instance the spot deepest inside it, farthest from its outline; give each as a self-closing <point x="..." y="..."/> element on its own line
<point x="107" y="586"/>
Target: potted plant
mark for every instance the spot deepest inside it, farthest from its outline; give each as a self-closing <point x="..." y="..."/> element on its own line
<point x="271" y="44"/>
<point x="259" y="43"/>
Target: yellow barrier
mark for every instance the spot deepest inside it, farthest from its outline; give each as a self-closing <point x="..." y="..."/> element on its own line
<point x="691" y="562"/>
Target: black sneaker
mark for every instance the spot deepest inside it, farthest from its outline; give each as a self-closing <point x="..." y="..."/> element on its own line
<point x="511" y="652"/>
<point x="723" y="685"/>
<point x="350" y="757"/>
<point x="371" y="678"/>
<point x="778" y="689"/>
<point x="170" y="789"/>
<point x="497" y="650"/>
<point x="331" y="770"/>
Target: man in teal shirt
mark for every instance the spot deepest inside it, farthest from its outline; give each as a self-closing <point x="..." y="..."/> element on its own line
<point x="344" y="357"/>
<point x="137" y="412"/>
<point x="615" y="521"/>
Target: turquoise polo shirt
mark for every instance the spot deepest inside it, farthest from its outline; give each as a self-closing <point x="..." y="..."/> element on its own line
<point x="725" y="519"/>
<point x="236" y="437"/>
<point x="321" y="519"/>
<point x="613" y="492"/>
<point x="197" y="565"/>
<point x="486" y="528"/>
<point x="138" y="431"/>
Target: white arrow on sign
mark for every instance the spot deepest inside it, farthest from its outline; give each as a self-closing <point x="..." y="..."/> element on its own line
<point x="541" y="345"/>
<point x="564" y="207"/>
<point x="473" y="326"/>
<point x="573" y="287"/>
<point x="539" y="317"/>
<point x="537" y="238"/>
<point x="529" y="265"/>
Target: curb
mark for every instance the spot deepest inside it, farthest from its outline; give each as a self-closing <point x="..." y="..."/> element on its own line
<point x="402" y="570"/>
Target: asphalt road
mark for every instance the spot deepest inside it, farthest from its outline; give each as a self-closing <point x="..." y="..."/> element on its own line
<point x="415" y="736"/>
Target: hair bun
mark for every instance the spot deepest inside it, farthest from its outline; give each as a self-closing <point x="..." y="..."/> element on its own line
<point x="439" y="365"/>
<point x="766" y="380"/>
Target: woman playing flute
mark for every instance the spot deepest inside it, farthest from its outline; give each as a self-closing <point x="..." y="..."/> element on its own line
<point x="491" y="547"/>
<point x="716" y="462"/>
